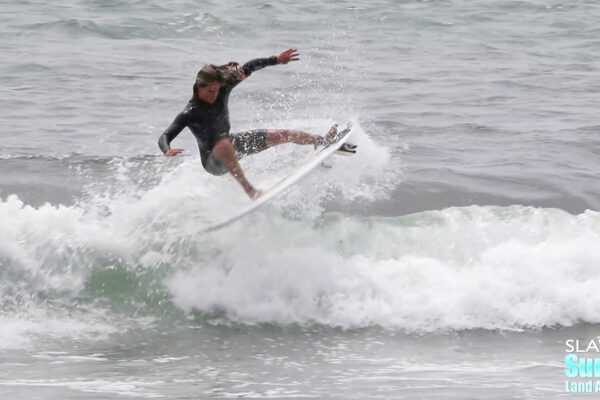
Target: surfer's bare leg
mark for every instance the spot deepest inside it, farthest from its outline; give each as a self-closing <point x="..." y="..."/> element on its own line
<point x="279" y="136"/>
<point x="224" y="153"/>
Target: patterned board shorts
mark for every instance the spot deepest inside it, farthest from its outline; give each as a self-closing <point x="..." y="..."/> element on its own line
<point x="245" y="143"/>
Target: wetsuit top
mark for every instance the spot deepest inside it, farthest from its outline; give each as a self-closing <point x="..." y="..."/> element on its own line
<point x="209" y="122"/>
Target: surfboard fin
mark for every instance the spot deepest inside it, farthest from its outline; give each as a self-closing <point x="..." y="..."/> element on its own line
<point x="347" y="149"/>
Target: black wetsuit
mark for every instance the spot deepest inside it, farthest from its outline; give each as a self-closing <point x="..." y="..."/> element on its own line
<point x="210" y="122"/>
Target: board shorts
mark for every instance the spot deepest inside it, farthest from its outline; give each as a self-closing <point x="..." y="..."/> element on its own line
<point x="244" y="143"/>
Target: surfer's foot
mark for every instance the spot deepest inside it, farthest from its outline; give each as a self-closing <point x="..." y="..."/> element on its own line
<point x="331" y="134"/>
<point x="328" y="138"/>
<point x="255" y="193"/>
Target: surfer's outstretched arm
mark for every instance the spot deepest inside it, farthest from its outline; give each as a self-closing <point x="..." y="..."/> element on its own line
<point x="260" y="63"/>
<point x="164" y="141"/>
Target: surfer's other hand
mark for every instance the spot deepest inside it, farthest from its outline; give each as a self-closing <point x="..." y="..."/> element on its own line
<point x="173" y="152"/>
<point x="287" y="56"/>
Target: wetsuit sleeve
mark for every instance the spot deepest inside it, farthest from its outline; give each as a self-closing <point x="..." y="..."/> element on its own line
<point x="258" y="63"/>
<point x="172" y="131"/>
<point x="249" y="68"/>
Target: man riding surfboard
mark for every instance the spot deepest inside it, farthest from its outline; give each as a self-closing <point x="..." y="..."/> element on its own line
<point x="207" y="116"/>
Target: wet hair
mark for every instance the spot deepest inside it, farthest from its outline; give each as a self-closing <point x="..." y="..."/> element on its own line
<point x="216" y="73"/>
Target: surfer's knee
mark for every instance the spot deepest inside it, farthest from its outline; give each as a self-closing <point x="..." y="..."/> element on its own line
<point x="275" y="136"/>
<point x="223" y="149"/>
<point x="223" y="145"/>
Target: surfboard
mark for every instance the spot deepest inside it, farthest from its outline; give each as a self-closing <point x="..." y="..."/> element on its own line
<point x="313" y="162"/>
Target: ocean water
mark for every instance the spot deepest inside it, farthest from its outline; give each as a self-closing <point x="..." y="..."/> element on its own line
<point x="452" y="258"/>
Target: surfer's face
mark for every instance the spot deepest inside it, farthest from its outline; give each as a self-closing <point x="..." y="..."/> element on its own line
<point x="210" y="92"/>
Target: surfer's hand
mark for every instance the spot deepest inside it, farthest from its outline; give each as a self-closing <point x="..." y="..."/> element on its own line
<point x="173" y="152"/>
<point x="287" y="56"/>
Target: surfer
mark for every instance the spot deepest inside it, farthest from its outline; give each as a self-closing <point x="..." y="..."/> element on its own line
<point x="207" y="116"/>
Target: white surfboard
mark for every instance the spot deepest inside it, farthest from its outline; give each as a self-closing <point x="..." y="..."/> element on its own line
<point x="341" y="138"/>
